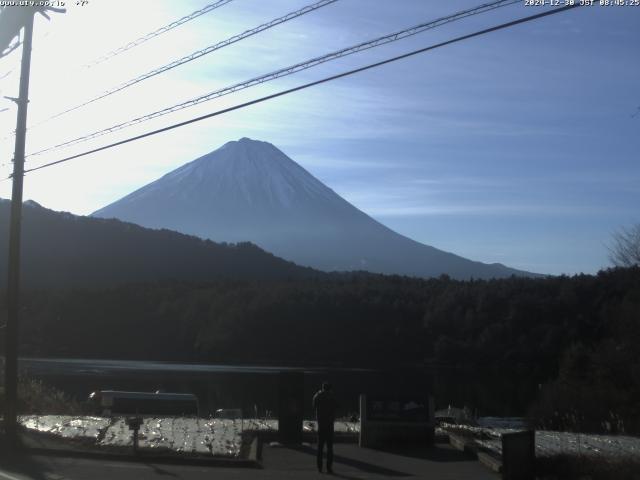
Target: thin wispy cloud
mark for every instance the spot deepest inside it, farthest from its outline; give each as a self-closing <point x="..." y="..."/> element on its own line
<point x="485" y="210"/>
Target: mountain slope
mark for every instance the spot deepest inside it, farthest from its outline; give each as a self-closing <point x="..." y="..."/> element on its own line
<point x="250" y="191"/>
<point x="64" y="250"/>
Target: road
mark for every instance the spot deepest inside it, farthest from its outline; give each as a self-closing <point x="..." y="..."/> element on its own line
<point x="351" y="462"/>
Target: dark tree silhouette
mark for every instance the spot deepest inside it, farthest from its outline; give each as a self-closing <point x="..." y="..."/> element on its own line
<point x="624" y="250"/>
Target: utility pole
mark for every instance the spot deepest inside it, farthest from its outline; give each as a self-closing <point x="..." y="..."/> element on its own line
<point x="12" y="19"/>
<point x="13" y="285"/>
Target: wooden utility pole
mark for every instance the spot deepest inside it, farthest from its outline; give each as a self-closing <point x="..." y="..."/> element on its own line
<point x="12" y="20"/>
<point x="13" y="285"/>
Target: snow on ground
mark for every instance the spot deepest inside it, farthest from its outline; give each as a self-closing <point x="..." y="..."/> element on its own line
<point x="66" y="426"/>
<point x="261" y="424"/>
<point x="223" y="437"/>
<point x="271" y="425"/>
<point x="550" y="443"/>
<point x="183" y="435"/>
<point x="339" y="427"/>
<point x="205" y="436"/>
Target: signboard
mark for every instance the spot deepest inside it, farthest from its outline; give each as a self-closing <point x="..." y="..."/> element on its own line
<point x="386" y="421"/>
<point x="290" y="407"/>
<point x="397" y="409"/>
<point x="519" y="455"/>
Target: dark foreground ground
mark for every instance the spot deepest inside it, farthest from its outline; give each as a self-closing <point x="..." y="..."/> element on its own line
<point x="350" y="462"/>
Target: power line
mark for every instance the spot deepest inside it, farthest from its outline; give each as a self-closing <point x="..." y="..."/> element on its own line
<point x="307" y="85"/>
<point x="287" y="71"/>
<point x="10" y="49"/>
<point x="195" y="55"/>
<point x="159" y="31"/>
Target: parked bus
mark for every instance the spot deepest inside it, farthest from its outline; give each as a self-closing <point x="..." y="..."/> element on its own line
<point x="114" y="402"/>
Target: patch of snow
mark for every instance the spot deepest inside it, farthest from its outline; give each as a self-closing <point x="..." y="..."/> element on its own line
<point x="204" y="436"/>
<point x="549" y="443"/>
<point x="183" y="435"/>
<point x="66" y="426"/>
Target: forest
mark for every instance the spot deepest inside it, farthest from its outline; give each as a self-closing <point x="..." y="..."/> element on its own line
<point x="61" y="251"/>
<point x="573" y="338"/>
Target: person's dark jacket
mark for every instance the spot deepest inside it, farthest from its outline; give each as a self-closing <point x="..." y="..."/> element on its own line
<point x="324" y="406"/>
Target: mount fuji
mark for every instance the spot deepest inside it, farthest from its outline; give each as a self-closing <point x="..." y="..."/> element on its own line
<point x="249" y="190"/>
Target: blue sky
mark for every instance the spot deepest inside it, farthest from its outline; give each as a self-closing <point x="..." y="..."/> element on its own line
<point x="516" y="147"/>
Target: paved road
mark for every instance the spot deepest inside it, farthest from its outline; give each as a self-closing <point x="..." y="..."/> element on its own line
<point x="351" y="462"/>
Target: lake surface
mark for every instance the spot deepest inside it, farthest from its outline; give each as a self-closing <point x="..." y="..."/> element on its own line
<point x="81" y="366"/>
<point x="254" y="388"/>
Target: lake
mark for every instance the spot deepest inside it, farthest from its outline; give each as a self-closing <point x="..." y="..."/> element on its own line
<point x="254" y="388"/>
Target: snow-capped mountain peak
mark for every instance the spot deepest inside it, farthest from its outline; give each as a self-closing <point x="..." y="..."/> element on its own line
<point x="249" y="190"/>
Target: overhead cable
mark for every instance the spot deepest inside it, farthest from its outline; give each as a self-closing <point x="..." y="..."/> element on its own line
<point x="286" y="71"/>
<point x="307" y="85"/>
<point x="159" y="31"/>
<point x="195" y="55"/>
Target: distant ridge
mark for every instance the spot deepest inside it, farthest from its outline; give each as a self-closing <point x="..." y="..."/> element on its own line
<point x="64" y="250"/>
<point x="249" y="190"/>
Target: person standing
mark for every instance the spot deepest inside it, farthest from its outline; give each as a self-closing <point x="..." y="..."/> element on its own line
<point x="324" y="406"/>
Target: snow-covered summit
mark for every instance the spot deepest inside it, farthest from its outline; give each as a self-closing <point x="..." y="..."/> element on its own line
<point x="248" y="172"/>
